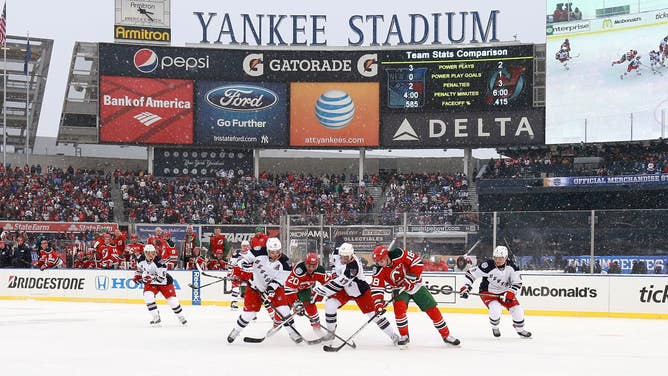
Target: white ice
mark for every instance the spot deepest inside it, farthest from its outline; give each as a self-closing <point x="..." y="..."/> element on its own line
<point x="55" y="338"/>
<point x="592" y="89"/>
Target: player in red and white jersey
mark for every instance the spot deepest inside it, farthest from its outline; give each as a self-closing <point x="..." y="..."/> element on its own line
<point x="401" y="270"/>
<point x="663" y="50"/>
<point x="348" y="283"/>
<point x="259" y="240"/>
<point x="634" y="65"/>
<point x="566" y="45"/>
<point x="563" y="56"/>
<point x="218" y="243"/>
<point x="217" y="262"/>
<point x="90" y="262"/>
<point x="133" y="250"/>
<point x="48" y="257"/>
<point x="629" y="56"/>
<point x="299" y="285"/>
<point x="241" y="275"/>
<point x="120" y="241"/>
<point x="79" y="260"/>
<point x="196" y="259"/>
<point x="270" y="268"/>
<point x="153" y="273"/>
<point x="107" y="254"/>
<point x="157" y="234"/>
<point x="501" y="282"/>
<point x="168" y="254"/>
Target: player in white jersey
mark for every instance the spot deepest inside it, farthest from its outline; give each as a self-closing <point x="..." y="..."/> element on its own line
<point x="270" y="269"/>
<point x="501" y="282"/>
<point x="663" y="50"/>
<point x="629" y="56"/>
<point x="152" y="271"/>
<point x="654" y="61"/>
<point x="238" y="285"/>
<point x="634" y="65"/>
<point x="563" y="56"/>
<point x="348" y="283"/>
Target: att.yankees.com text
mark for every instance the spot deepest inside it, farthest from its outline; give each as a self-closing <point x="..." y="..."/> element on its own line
<point x="334" y="140"/>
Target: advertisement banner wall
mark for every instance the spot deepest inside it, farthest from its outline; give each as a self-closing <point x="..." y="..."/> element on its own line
<point x="146" y="111"/>
<point x="241" y="114"/>
<point x="328" y="114"/>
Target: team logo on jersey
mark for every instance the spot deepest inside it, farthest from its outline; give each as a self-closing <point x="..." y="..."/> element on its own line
<point x="146" y="60"/>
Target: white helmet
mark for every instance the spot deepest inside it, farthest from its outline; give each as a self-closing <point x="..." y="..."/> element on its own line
<point x="500" y="251"/>
<point x="273" y="244"/>
<point x="346" y="249"/>
<point x="149" y="248"/>
<point x="245" y="243"/>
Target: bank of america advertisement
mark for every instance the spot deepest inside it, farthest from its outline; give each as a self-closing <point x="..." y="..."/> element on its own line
<point x="146" y="111"/>
<point x="241" y="114"/>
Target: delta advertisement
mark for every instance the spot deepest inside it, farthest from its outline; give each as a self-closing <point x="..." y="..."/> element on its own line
<point x="241" y="114"/>
<point x="334" y="114"/>
<point x="146" y="111"/>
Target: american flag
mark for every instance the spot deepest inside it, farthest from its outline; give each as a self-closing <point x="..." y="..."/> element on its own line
<point x="3" y="26"/>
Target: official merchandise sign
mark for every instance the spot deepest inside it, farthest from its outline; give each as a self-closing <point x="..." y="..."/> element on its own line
<point x="241" y="114"/>
<point x="146" y="111"/>
<point x="598" y="181"/>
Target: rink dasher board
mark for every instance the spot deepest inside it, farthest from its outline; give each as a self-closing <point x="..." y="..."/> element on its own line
<point x="550" y="294"/>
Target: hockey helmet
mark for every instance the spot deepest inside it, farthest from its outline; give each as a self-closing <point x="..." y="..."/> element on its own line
<point x="149" y="248"/>
<point x="311" y="259"/>
<point x="379" y="253"/>
<point x="500" y="252"/>
<point x="346" y="249"/>
<point x="273" y="244"/>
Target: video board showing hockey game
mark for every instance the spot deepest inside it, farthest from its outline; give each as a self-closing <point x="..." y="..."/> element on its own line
<point x="607" y="76"/>
<point x="474" y="96"/>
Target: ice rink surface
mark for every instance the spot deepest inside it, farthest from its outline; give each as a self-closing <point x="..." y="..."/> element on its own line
<point x="592" y="89"/>
<point x="54" y="338"/>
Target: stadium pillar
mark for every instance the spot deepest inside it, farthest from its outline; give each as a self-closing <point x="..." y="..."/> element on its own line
<point x="361" y="165"/>
<point x="150" y="153"/>
<point x="256" y="163"/>
<point x="467" y="162"/>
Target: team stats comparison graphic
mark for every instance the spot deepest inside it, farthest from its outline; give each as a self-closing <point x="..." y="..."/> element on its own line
<point x="458" y="79"/>
<point x="480" y="96"/>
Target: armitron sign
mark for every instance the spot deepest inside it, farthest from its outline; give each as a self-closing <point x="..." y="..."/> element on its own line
<point x="142" y="34"/>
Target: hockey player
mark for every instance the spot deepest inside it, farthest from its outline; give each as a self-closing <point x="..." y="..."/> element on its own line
<point x="654" y="61"/>
<point x="298" y="289"/>
<point x="663" y="50"/>
<point x="241" y="274"/>
<point x="133" y="251"/>
<point x="153" y="273"/>
<point x="270" y="269"/>
<point x="108" y="254"/>
<point x="634" y="65"/>
<point x="564" y="56"/>
<point x="629" y="56"/>
<point x="397" y="269"/>
<point x="196" y="259"/>
<point x="168" y="252"/>
<point x="260" y="239"/>
<point x="218" y="243"/>
<point x="348" y="283"/>
<point x="501" y="282"/>
<point x="48" y="257"/>
<point x="217" y="262"/>
<point x="566" y="46"/>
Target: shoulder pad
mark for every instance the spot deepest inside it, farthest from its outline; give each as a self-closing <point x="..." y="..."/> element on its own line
<point x="351" y="270"/>
<point x="487" y="266"/>
<point x="285" y="261"/>
<point x="299" y="269"/>
<point x="395" y="253"/>
<point x="320" y="269"/>
<point x="510" y="263"/>
<point x="376" y="269"/>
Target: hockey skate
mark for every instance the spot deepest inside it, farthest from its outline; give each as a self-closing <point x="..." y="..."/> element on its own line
<point x="523" y="333"/>
<point x="182" y="319"/>
<point x="233" y="335"/>
<point x="403" y="342"/>
<point x="234" y="306"/>
<point x="155" y="321"/>
<point x="395" y="339"/>
<point x="450" y="340"/>
<point x="496" y="332"/>
<point x="295" y="337"/>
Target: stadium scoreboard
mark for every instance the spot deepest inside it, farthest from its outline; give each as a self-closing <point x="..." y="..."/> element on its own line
<point x="457" y="80"/>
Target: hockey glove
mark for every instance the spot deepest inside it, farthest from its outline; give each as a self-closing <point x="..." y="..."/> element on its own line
<point x="508" y="296"/>
<point x="42" y="267"/>
<point x="148" y="279"/>
<point x="315" y="297"/>
<point x="137" y="278"/>
<point x="298" y="308"/>
<point x="464" y="291"/>
<point x="379" y="307"/>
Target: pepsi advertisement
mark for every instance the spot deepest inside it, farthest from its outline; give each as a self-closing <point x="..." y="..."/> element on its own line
<point x="241" y="114"/>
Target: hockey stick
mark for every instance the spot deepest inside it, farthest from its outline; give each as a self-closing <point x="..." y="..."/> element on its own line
<point x="205" y="285"/>
<point x="202" y="272"/>
<point x="285" y="321"/>
<point x="327" y="348"/>
<point x="351" y="344"/>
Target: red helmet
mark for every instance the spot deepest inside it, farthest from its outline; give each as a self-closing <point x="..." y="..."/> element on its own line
<point x="380" y="252"/>
<point x="134" y="236"/>
<point x="167" y="234"/>
<point x="311" y="259"/>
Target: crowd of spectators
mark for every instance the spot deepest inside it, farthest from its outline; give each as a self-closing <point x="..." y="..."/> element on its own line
<point x="564" y="12"/>
<point x="243" y="199"/>
<point x="71" y="195"/>
<point x="597" y="160"/>
<point x="431" y="198"/>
